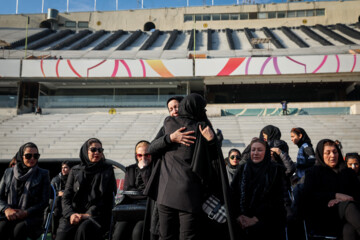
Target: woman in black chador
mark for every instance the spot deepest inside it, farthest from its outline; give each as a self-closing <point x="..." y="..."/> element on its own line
<point x="331" y="193"/>
<point x="188" y="174"/>
<point x="259" y="195"/>
<point x="88" y="197"/>
<point x="24" y="195"/>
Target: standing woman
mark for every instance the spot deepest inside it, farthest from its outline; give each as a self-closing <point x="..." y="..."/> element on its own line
<point x="88" y="197"/>
<point x="331" y="193"/>
<point x="24" y="195"/>
<point x="186" y="172"/>
<point x="259" y="194"/>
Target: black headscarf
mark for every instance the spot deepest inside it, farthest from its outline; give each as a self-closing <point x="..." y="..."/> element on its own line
<point x="304" y="139"/>
<point x="19" y="157"/>
<point x="319" y="155"/>
<point x="272" y="132"/>
<point x="86" y="165"/>
<point x="177" y="98"/>
<point x="254" y="182"/>
<point x="193" y="107"/>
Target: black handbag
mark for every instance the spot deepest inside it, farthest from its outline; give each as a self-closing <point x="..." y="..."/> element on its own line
<point x="132" y="211"/>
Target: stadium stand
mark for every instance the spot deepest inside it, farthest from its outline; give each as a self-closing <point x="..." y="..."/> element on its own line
<point x="60" y="135"/>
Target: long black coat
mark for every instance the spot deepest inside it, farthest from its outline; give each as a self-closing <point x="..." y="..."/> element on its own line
<point x="179" y="187"/>
<point x="80" y="196"/>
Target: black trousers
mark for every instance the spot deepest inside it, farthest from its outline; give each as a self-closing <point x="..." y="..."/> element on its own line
<point x="85" y="230"/>
<point x="14" y="230"/>
<point x="349" y="212"/>
<point x="128" y="230"/>
<point x="176" y="224"/>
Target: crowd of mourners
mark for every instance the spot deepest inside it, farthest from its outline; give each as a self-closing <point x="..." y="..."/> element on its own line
<point x="182" y="187"/>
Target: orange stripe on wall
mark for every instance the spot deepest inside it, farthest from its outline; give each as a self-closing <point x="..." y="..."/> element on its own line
<point x="159" y="67"/>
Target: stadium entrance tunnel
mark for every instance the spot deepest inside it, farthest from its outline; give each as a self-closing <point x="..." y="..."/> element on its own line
<point x="291" y="92"/>
<point x="28" y="97"/>
<point x="149" y="26"/>
<point x="45" y="24"/>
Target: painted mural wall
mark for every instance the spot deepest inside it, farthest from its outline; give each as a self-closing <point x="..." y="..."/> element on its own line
<point x="115" y="68"/>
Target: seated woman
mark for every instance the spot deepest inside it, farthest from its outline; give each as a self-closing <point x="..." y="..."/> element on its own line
<point x="24" y="195"/>
<point x="330" y="192"/>
<point x="59" y="182"/>
<point x="259" y="195"/>
<point x="136" y="177"/>
<point x="232" y="163"/>
<point x="88" y="197"/>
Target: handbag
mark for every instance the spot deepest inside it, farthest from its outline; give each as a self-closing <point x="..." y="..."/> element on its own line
<point x="213" y="208"/>
<point x="130" y="211"/>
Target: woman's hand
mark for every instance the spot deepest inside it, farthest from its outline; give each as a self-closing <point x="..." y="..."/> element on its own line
<point x="207" y="133"/>
<point x="60" y="193"/>
<point x="247" y="221"/>
<point x="343" y="197"/>
<point x="76" y="218"/>
<point x="333" y="202"/>
<point x="21" y="214"/>
<point x="276" y="150"/>
<point x="182" y="137"/>
<point x="11" y="214"/>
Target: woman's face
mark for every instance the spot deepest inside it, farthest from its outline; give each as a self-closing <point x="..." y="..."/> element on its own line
<point x="234" y="158"/>
<point x="331" y="156"/>
<point x="295" y="138"/>
<point x="265" y="136"/>
<point x="65" y="170"/>
<point x="142" y="154"/>
<point x="354" y="164"/>
<point x="257" y="152"/>
<point x="173" y="107"/>
<point x="30" y="157"/>
<point x="95" y="152"/>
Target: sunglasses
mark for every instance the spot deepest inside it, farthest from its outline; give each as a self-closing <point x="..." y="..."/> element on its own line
<point x="94" y="149"/>
<point x="232" y="157"/>
<point x="28" y="156"/>
<point x="147" y="155"/>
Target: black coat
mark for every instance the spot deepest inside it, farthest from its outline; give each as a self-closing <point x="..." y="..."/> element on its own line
<point x="266" y="201"/>
<point x="39" y="196"/>
<point x="81" y="196"/>
<point x="320" y="186"/>
<point x="136" y="180"/>
<point x="179" y="187"/>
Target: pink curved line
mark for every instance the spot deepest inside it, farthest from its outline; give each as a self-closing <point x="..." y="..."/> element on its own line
<point x="88" y="70"/>
<point x="302" y="64"/>
<point x="126" y="66"/>
<point x="264" y="65"/>
<point x="143" y="67"/>
<point x="321" y="64"/>
<point x="247" y="66"/>
<point x="116" y="68"/>
<point x="276" y="66"/>
<point x="42" y="67"/>
<point x="354" y="63"/>
<point x="73" y="69"/>
<point x="338" y="63"/>
<point x="57" y="67"/>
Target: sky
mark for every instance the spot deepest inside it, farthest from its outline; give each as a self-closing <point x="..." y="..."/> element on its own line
<point x="35" y="6"/>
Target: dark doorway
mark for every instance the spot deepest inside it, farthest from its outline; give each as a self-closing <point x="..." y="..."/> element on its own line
<point x="45" y="24"/>
<point x="28" y="97"/>
<point x="149" y="26"/>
